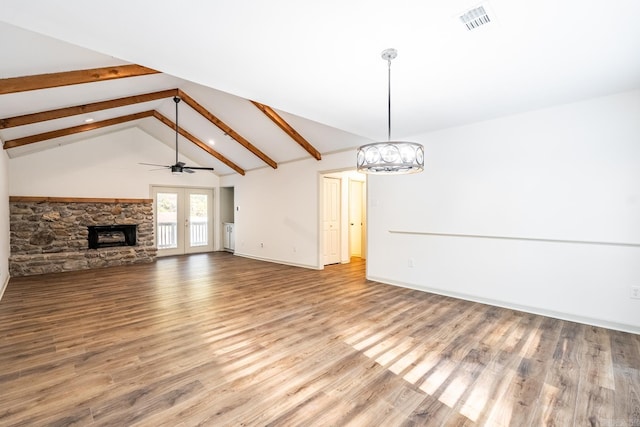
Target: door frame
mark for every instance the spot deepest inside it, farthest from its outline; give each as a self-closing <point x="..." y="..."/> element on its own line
<point x="362" y="205"/>
<point x="183" y="192"/>
<point x="343" y="175"/>
<point x="227" y="209"/>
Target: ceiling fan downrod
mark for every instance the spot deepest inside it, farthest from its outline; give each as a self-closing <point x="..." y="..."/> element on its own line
<point x="176" y="99"/>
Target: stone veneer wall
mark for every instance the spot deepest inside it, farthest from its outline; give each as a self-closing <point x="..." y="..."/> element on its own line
<point x="50" y="235"/>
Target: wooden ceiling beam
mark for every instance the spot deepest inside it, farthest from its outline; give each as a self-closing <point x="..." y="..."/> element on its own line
<point x="59" y="113"/>
<point x="66" y="78"/>
<point x="226" y="129"/>
<point x="198" y="142"/>
<point x="288" y="129"/>
<point x="73" y="130"/>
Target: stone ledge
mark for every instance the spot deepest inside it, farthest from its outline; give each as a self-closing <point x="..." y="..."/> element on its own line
<point x="57" y="262"/>
<point x="39" y="199"/>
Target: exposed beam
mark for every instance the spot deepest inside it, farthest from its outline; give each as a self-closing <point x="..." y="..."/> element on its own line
<point x="73" y="130"/>
<point x="59" y="113"/>
<point x="199" y="143"/>
<point x="226" y="129"/>
<point x="66" y="78"/>
<point x="288" y="129"/>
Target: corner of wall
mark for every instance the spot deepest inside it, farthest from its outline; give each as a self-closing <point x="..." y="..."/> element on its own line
<point x="4" y="222"/>
<point x="4" y="286"/>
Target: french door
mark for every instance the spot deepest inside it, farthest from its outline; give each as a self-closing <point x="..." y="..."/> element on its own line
<point x="183" y="220"/>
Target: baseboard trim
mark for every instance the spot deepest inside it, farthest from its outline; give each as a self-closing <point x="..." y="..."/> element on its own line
<point x="276" y="261"/>
<point x="527" y="309"/>
<point x="4" y="286"/>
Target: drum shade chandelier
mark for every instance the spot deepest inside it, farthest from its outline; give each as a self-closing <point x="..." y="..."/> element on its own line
<point x="390" y="157"/>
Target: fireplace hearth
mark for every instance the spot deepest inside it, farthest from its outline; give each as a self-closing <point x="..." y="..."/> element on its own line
<point x="105" y="236"/>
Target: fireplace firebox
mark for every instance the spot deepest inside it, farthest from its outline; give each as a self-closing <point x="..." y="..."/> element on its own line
<point x="104" y="236"/>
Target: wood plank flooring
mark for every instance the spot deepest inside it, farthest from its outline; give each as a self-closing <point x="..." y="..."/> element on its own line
<point x="218" y="340"/>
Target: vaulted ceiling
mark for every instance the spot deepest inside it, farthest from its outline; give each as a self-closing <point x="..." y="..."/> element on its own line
<point x="49" y="102"/>
<point x="271" y="82"/>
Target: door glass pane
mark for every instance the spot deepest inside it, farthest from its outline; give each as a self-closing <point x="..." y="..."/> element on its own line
<point x="167" y="210"/>
<point x="198" y="220"/>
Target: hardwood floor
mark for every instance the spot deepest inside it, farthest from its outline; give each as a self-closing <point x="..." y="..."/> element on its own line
<point x="220" y="340"/>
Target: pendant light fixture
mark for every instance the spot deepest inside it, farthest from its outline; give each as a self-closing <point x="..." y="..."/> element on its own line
<point x="390" y="157"/>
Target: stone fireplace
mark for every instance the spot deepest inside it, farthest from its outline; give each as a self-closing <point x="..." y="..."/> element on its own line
<point x="49" y="235"/>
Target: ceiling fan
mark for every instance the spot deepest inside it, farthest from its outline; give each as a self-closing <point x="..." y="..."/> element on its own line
<point x="178" y="167"/>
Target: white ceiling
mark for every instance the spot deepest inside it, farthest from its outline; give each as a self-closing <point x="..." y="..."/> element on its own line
<point x="320" y="62"/>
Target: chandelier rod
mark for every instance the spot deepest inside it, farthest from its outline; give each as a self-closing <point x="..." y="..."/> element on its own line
<point x="389" y="100"/>
<point x="389" y="54"/>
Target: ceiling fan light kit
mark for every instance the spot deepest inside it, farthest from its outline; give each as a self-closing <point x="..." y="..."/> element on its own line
<point x="390" y="157"/>
<point x="179" y="167"/>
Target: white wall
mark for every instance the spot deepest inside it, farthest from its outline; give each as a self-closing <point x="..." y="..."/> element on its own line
<point x="4" y="222"/>
<point x="277" y="217"/>
<point x="569" y="173"/>
<point x="104" y="166"/>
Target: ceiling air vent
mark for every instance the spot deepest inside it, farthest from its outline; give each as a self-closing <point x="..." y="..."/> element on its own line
<point x="474" y="18"/>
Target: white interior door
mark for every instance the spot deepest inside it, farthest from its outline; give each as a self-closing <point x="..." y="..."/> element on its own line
<point x="184" y="220"/>
<point x="355" y="218"/>
<point x="331" y="220"/>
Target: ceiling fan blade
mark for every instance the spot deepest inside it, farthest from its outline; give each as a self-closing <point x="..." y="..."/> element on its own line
<point x="153" y="164"/>
<point x="199" y="168"/>
<point x="188" y="170"/>
<point x="180" y="164"/>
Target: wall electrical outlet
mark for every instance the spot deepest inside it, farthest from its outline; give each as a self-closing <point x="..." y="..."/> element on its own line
<point x="635" y="292"/>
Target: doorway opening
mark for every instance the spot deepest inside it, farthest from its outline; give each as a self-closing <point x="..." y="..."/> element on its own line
<point x="342" y="217"/>
<point x="183" y="220"/>
<point x="227" y="218"/>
